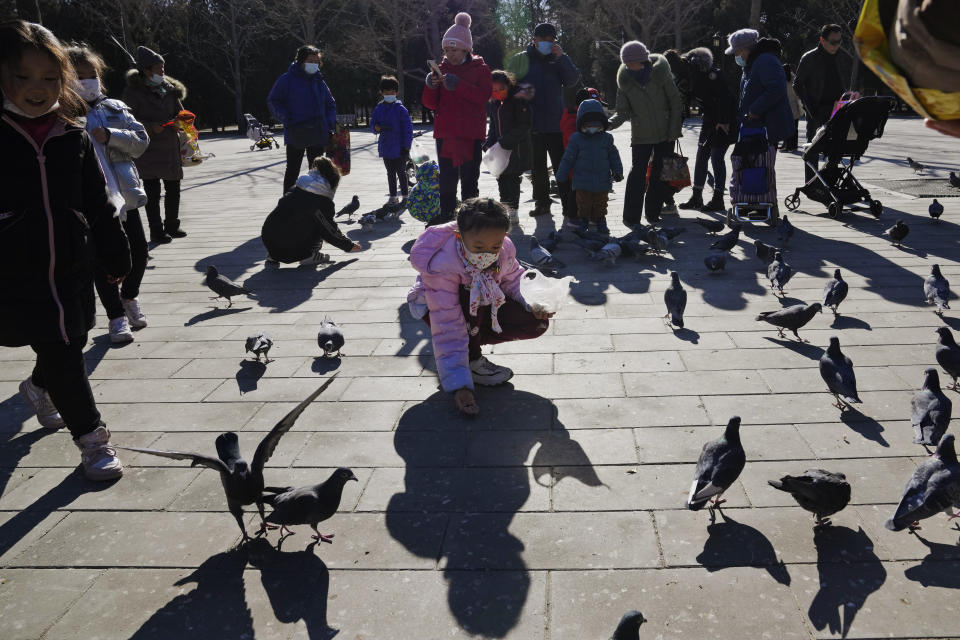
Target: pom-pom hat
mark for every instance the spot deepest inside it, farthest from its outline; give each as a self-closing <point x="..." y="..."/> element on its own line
<point x="459" y="34"/>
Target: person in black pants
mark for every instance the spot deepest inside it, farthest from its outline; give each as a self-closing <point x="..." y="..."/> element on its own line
<point x="121" y="302"/>
<point x="391" y="122"/>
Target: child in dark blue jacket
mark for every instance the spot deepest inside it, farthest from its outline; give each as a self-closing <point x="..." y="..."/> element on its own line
<point x="392" y="121"/>
<point x="595" y="163"/>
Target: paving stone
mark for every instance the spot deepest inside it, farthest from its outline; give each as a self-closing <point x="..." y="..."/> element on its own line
<point x="278" y="390"/>
<point x="550" y="448"/>
<point x="30" y="601"/>
<point x="45" y="448"/>
<point x="19" y="530"/>
<point x="347" y="416"/>
<point x="684" y="444"/>
<point x="156" y="390"/>
<point x="676" y="383"/>
<point x="359" y="449"/>
<point x="203" y="442"/>
<point x="799" y="408"/>
<point x="586" y="385"/>
<point x="626" y="362"/>
<point x="683" y="340"/>
<point x="178" y="416"/>
<point x="809" y="380"/>
<point x="134" y="369"/>
<point x="391" y="388"/>
<point x="246" y="370"/>
<point x="377" y="541"/>
<point x="891" y="438"/>
<point x="630" y="412"/>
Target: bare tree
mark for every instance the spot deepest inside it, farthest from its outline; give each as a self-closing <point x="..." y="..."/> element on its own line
<point x="651" y="21"/>
<point x="756" y="10"/>
<point x="318" y="22"/>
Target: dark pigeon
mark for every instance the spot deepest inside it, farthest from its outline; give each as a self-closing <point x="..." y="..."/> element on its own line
<point x="822" y="493"/>
<point x="713" y="227"/>
<point x="934" y="488"/>
<point x="308" y="505"/>
<point x="633" y="247"/>
<point x="936" y="289"/>
<point x="779" y="272"/>
<point x="242" y="483"/>
<point x="793" y="317"/>
<point x="719" y="466"/>
<point x="330" y="338"/>
<point x="954" y="179"/>
<point x="784" y="230"/>
<point x="716" y="261"/>
<point x="551" y="242"/>
<point x="948" y="355"/>
<point x="935" y="209"/>
<point x="675" y="297"/>
<point x="835" y="291"/>
<point x="765" y="252"/>
<point x="259" y="343"/>
<point x="350" y="208"/>
<point x="672" y="232"/>
<point x="222" y="286"/>
<point x="729" y="240"/>
<point x="836" y="369"/>
<point x="629" y="626"/>
<point x="916" y="166"/>
<point x="898" y="232"/>
<point x="657" y="240"/>
<point x="930" y="411"/>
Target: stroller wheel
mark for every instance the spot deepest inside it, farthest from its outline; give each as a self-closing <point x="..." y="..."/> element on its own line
<point x="252" y="147"/>
<point x="876" y="207"/>
<point x="792" y="201"/>
<point x="835" y="209"/>
<point x="277" y="144"/>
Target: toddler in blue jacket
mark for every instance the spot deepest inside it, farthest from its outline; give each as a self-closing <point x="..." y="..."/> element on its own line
<point x="391" y="121"/>
<point x="595" y="163"/>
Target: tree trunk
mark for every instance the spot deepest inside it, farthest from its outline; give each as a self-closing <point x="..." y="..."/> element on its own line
<point x="677" y="27"/>
<point x="755" y="8"/>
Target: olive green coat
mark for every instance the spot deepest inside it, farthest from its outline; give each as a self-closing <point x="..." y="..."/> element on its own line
<point x="655" y="110"/>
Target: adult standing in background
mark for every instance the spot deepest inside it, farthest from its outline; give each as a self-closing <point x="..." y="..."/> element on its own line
<point x="155" y="99"/>
<point x="302" y="102"/>
<point x="549" y="70"/>
<point x="821" y="77"/>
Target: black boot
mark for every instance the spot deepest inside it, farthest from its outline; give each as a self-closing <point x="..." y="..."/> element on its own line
<point x="695" y="202"/>
<point x="172" y="229"/>
<point x="716" y="202"/>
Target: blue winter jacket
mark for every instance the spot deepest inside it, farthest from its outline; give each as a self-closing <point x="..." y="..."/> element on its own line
<point x="300" y="98"/>
<point x="593" y="158"/>
<point x="763" y="93"/>
<point x="396" y="128"/>
<point x="548" y="75"/>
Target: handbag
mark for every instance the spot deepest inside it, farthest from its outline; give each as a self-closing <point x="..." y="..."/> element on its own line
<point x="676" y="171"/>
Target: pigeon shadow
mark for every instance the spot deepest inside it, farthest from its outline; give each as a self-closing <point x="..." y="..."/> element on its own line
<point x="687" y="335"/>
<point x="734" y="544"/>
<point x="469" y="477"/>
<point x="849" y="571"/>
<point x="297" y="585"/>
<point x="407" y="246"/>
<point x="249" y="374"/>
<point x="217" y="312"/>
<point x="953" y="323"/>
<point x="323" y="364"/>
<point x="849" y="322"/>
<point x="939" y="568"/>
<point x="866" y="426"/>
<point x="804" y="349"/>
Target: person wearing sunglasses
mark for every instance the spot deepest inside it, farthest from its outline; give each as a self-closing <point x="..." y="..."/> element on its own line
<point x="822" y="76"/>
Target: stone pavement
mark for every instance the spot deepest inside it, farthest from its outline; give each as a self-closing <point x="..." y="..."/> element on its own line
<point x="545" y="518"/>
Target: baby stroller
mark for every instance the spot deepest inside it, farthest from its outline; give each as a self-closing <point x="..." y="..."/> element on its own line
<point x="259" y="134"/>
<point x="846" y="135"/>
<point x="417" y="156"/>
<point x="753" y="188"/>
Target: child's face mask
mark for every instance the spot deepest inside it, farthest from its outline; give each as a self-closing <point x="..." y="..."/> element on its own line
<point x="389" y="97"/>
<point x="500" y="95"/>
<point x="480" y="260"/>
<point x="89" y="89"/>
<point x="311" y="68"/>
<point x="593" y="129"/>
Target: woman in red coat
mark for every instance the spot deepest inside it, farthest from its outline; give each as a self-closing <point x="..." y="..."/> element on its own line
<point x="458" y="97"/>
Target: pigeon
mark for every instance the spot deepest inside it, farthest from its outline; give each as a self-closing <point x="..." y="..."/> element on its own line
<point x="916" y="166"/>
<point x="954" y="179"/>
<point x="633" y="247"/>
<point x="259" y="343"/>
<point x="765" y="252"/>
<point x="367" y="221"/>
<point x="608" y="254"/>
<point x="591" y="246"/>
<point x="936" y="289"/>
<point x="629" y="626"/>
<point x="672" y="232"/>
<point x="779" y="272"/>
<point x="551" y="242"/>
<point x="222" y="286"/>
<point x="948" y="355"/>
<point x="676" y="300"/>
<point x="934" y="487"/>
<point x="242" y="482"/>
<point x="729" y="240"/>
<point x="836" y="370"/>
<point x="657" y="240"/>
<point x="541" y="257"/>
<point x="930" y="411"/>
<point x="898" y="232"/>
<point x="835" y="291"/>
<point x="713" y="227"/>
<point x="330" y="338"/>
<point x="793" y="317"/>
<point x="308" y="505"/>
<point x="716" y="261"/>
<point x="719" y="466"/>
<point x="350" y="208"/>
<point x="822" y="493"/>
<point x="935" y="209"/>
<point x="784" y="230"/>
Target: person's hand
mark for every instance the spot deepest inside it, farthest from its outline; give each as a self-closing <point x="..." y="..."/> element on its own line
<point x="356" y="248"/>
<point x="115" y="279"/>
<point x="376" y="128"/>
<point x="101" y="135"/>
<point x="618" y="177"/>
<point x="157" y="128"/>
<point x="541" y="314"/>
<point x="724" y="127"/>
<point x="434" y="80"/>
<point x="465" y="402"/>
<point x="556" y="50"/>
<point x="946" y="127"/>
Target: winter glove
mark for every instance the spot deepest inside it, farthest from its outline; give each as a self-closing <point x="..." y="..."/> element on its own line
<point x="450" y="81"/>
<point x="618" y="178"/>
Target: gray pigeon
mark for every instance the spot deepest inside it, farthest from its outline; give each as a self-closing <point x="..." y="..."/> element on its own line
<point x="898" y="232"/>
<point x="934" y="487"/>
<point x="308" y="505"/>
<point x="629" y="626"/>
<point x="672" y="232"/>
<point x="930" y="411"/>
<point x="936" y="289"/>
<point x="719" y="466"/>
<point x="541" y="257"/>
<point x="675" y="297"/>
<point x="222" y="286"/>
<point x="765" y="252"/>
<point x="822" y="493"/>
<point x="835" y="292"/>
<point x="779" y="272"/>
<point x="242" y="483"/>
<point x="948" y="355"/>
<point x="784" y="230"/>
<point x="916" y="166"/>
<point x="259" y="343"/>
<point x="330" y="338"/>
<point x="657" y="240"/>
<point x="713" y="227"/>
<point x="608" y="254"/>
<point x="729" y="240"/>
<point x="935" y="210"/>
<point x="716" y="261"/>
<point x="793" y="317"/>
<point x="836" y="369"/>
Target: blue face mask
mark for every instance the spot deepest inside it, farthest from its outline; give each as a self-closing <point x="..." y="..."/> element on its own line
<point x="389" y="98"/>
<point x="545" y="47"/>
<point x="311" y="67"/>
<point x="592" y="130"/>
<point x="740" y="61"/>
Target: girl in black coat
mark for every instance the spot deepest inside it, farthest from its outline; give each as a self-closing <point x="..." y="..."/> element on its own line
<point x="54" y="210"/>
<point x="510" y="116"/>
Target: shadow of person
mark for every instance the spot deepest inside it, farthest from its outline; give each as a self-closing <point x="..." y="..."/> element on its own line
<point x="249" y="374"/>
<point x="474" y="490"/>
<point x="939" y="567"/>
<point x="733" y="544"/>
<point x="297" y="585"/>
<point x="285" y="288"/>
<point x="413" y="332"/>
<point x="216" y="608"/>
<point x="866" y="426"/>
<point x="849" y="571"/>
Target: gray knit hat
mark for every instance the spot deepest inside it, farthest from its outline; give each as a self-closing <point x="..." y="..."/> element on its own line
<point x="742" y="39"/>
<point x="634" y="51"/>
<point x="147" y="58"/>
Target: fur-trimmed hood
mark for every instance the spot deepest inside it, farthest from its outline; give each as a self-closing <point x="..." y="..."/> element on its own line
<point x="700" y="59"/>
<point x="135" y="80"/>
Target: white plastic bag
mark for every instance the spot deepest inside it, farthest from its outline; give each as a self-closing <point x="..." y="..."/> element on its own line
<point x="418" y="152"/>
<point x="496" y="159"/>
<point x="544" y="294"/>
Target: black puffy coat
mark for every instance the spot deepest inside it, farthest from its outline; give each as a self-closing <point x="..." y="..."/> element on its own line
<point x="718" y="104"/>
<point x="53" y="196"/>
<point x="300" y="221"/>
<point x="811" y="79"/>
<point x="510" y="122"/>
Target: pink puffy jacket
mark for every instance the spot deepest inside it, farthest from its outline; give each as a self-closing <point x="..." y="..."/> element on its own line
<point x="434" y="255"/>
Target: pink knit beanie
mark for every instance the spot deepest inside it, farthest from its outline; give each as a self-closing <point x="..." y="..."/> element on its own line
<point x="459" y="34"/>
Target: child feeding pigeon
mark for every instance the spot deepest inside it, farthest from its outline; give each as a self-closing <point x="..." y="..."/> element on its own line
<point x="468" y="291"/>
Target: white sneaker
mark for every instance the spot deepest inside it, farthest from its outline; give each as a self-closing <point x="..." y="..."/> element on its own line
<point x="315" y="259"/>
<point x="39" y="399"/>
<point x="133" y="312"/>
<point x="99" y="458"/>
<point x="120" y="331"/>
<point x="488" y="374"/>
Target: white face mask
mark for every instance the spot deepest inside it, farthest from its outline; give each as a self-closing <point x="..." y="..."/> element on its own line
<point x="12" y="108"/>
<point x="155" y="79"/>
<point x="311" y="67"/>
<point x="89" y="89"/>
